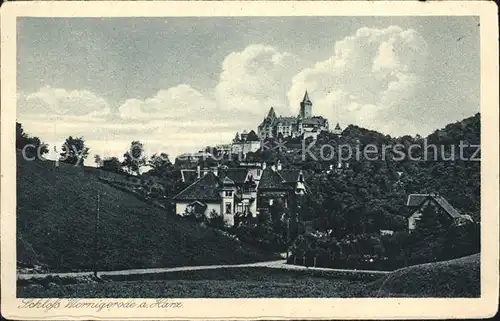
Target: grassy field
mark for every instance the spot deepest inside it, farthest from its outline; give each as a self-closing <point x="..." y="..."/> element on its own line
<point x="216" y="283"/>
<point x="454" y="278"/>
<point x="55" y="226"/>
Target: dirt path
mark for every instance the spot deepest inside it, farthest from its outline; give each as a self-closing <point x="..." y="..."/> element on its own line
<point x="279" y="264"/>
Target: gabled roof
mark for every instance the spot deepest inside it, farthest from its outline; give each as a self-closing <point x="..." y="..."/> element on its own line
<point x="227" y="181"/>
<point x="252" y="136"/>
<point x="189" y="175"/>
<point x="272" y="180"/>
<point x="204" y="189"/>
<point x="237" y="175"/>
<point x="290" y="175"/>
<point x="416" y="200"/>
<point x="337" y="127"/>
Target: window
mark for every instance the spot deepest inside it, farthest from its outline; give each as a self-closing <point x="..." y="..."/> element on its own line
<point x="229" y="193"/>
<point x="228" y="208"/>
<point x="246" y="209"/>
<point x="258" y="172"/>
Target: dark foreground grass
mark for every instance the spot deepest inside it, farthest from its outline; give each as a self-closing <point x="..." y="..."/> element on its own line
<point x="217" y="283"/>
<point x="55" y="226"/>
<point x="453" y="279"/>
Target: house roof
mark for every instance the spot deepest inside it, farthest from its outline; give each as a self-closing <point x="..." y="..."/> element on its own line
<point x="189" y="175"/>
<point x="227" y="181"/>
<point x="252" y="136"/>
<point x="416" y="200"/>
<point x="290" y="175"/>
<point x="204" y="189"/>
<point x="237" y="175"/>
<point x="272" y="180"/>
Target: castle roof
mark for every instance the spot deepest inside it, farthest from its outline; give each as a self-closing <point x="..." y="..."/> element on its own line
<point x="286" y="120"/>
<point x="306" y="98"/>
<point x="316" y="120"/>
<point x="271" y="114"/>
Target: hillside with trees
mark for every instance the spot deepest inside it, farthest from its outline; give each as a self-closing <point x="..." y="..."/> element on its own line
<point x="58" y="233"/>
<point x="350" y="201"/>
<point x="338" y="223"/>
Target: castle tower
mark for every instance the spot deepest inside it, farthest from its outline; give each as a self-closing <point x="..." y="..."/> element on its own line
<point x="305" y="107"/>
<point x="271" y="114"/>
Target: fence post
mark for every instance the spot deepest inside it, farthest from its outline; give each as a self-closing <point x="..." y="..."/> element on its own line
<point x="315" y="261"/>
<point x="295" y="259"/>
<point x="304" y="260"/>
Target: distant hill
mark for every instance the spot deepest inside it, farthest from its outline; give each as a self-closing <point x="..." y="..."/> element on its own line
<point x="56" y="209"/>
<point x="454" y="278"/>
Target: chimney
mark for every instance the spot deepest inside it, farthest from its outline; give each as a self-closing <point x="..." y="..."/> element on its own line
<point x="198" y="171"/>
<point x="278" y="167"/>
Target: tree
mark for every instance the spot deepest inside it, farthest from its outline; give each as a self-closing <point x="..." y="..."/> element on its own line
<point x="32" y="146"/>
<point x="98" y="160"/>
<point x="216" y="220"/>
<point x="74" y="151"/>
<point x="134" y="158"/>
<point x="236" y="138"/>
<point x="429" y="236"/>
<point x="160" y="164"/>
<point x="21" y="136"/>
<point x="111" y="164"/>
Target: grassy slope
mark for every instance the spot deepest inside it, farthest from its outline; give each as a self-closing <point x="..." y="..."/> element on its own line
<point x="454" y="278"/>
<point x="55" y="226"/>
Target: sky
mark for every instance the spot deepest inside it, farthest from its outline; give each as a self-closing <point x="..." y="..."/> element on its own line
<point x="178" y="84"/>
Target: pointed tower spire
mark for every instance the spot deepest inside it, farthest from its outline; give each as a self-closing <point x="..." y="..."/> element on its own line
<point x="271" y="113"/>
<point x="306" y="98"/>
<point x="337" y="130"/>
<point x="305" y="107"/>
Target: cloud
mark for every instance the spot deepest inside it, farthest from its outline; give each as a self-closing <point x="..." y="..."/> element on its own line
<point x="172" y="103"/>
<point x="250" y="82"/>
<point x="369" y="75"/>
<point x="255" y="79"/>
<point x="58" y="101"/>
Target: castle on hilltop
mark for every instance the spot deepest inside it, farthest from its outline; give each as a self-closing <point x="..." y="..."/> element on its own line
<point x="305" y="124"/>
